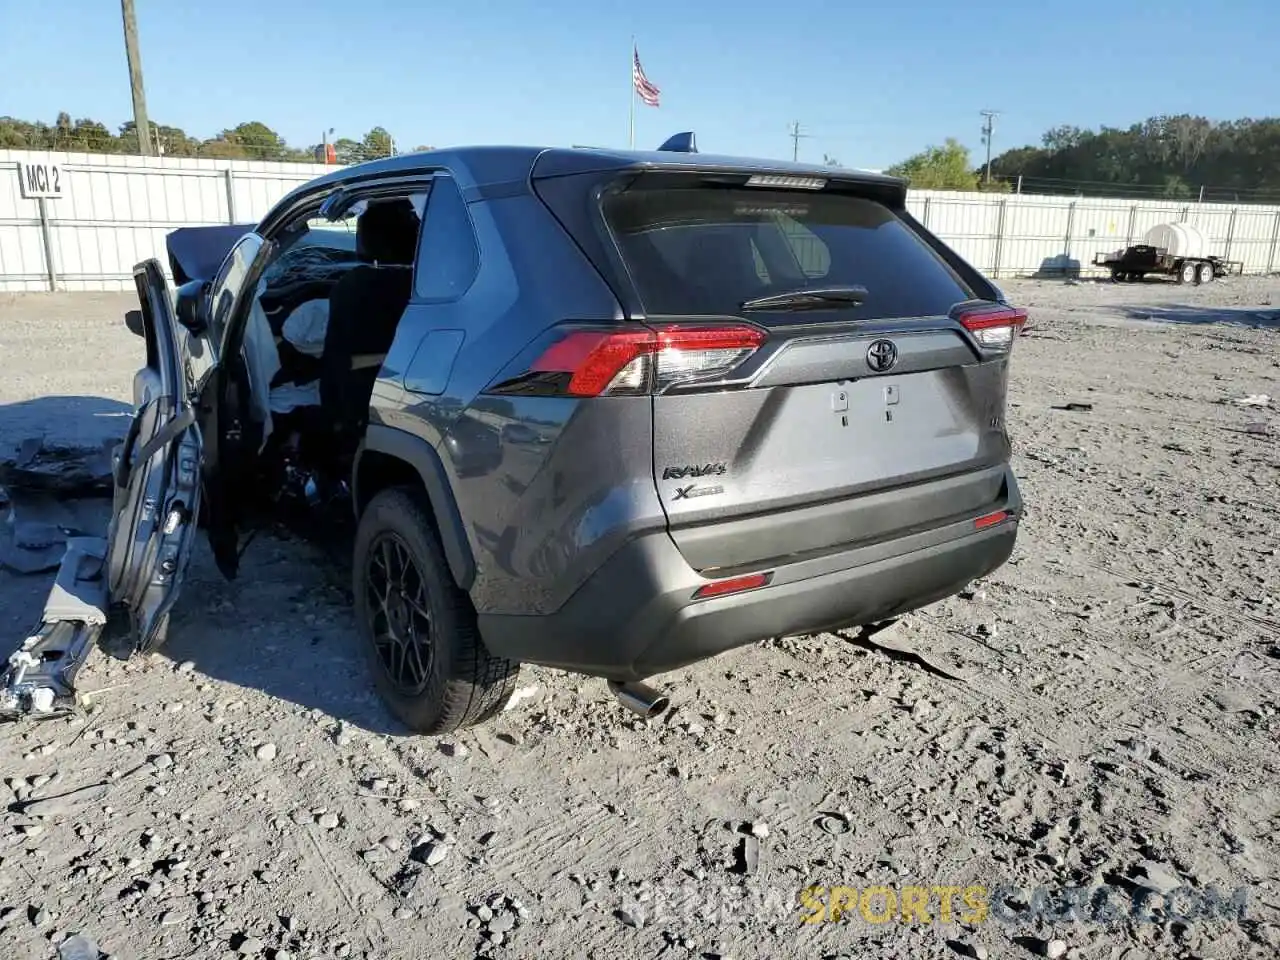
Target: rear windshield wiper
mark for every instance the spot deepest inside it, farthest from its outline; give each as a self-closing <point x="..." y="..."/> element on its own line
<point x="809" y="298"/>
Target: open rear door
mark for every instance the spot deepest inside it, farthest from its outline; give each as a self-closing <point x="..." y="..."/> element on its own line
<point x="157" y="476"/>
<point x="138" y="568"/>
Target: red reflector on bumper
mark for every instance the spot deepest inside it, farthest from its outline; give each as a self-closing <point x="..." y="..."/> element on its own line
<point x="991" y="519"/>
<point x="718" y="588"/>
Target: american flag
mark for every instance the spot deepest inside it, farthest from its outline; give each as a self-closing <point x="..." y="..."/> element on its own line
<point x="648" y="92"/>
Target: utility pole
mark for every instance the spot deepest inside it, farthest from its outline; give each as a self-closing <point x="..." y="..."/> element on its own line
<point x="796" y="137"/>
<point x="141" y="126"/>
<point x="988" y="125"/>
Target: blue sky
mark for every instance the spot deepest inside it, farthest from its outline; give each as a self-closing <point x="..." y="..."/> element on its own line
<point x="872" y="82"/>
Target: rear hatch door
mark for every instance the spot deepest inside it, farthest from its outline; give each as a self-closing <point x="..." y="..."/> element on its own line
<point x="867" y="411"/>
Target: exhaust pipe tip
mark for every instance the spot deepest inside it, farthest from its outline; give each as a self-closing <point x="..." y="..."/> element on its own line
<point x="640" y="699"/>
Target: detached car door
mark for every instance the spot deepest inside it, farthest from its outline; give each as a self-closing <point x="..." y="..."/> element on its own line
<point x="157" y="473"/>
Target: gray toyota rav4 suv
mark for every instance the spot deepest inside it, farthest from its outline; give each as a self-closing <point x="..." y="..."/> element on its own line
<point x="611" y="412"/>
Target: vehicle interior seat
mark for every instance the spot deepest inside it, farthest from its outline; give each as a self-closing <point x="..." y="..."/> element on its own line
<point x="365" y="307"/>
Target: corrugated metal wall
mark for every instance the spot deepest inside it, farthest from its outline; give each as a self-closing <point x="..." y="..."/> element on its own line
<point x="1024" y="235"/>
<point x="119" y="208"/>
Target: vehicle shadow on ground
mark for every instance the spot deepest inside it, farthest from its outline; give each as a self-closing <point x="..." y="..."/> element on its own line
<point x="284" y="627"/>
<point x="1256" y="318"/>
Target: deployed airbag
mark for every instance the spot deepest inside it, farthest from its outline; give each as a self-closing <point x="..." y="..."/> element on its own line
<point x="305" y="327"/>
<point x="263" y="360"/>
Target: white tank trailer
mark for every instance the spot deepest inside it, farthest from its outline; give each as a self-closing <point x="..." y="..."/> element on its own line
<point x="1177" y="250"/>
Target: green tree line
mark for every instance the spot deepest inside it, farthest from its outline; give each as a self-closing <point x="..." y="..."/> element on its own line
<point x="1166" y="156"/>
<point x="246" y="141"/>
<point x="1169" y="156"/>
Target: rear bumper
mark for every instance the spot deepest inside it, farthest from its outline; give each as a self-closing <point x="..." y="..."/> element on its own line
<point x="636" y="617"/>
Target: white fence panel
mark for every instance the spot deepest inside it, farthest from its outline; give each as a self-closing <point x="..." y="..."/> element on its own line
<point x="1035" y="237"/>
<point x="1146" y="216"/>
<point x="118" y="209"/>
<point x="968" y="223"/>
<point x="1215" y="222"/>
<point x="1253" y="239"/>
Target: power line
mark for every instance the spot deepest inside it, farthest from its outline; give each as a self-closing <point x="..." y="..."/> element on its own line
<point x="1181" y="192"/>
<point x="988" y="127"/>
<point x="796" y="137"/>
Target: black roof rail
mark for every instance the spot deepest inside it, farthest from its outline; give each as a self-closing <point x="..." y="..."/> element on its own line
<point x="680" y="143"/>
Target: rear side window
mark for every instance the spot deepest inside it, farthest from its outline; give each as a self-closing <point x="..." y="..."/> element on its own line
<point x="704" y="250"/>
<point x="448" y="255"/>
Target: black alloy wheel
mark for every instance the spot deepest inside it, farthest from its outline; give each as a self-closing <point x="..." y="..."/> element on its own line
<point x="399" y="613"/>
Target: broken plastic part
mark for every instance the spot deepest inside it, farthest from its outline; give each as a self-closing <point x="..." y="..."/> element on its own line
<point x="42" y="672"/>
<point x="42" y="699"/>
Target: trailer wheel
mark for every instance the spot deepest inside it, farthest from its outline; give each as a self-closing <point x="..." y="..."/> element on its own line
<point x="1187" y="273"/>
<point x="1204" y="274"/>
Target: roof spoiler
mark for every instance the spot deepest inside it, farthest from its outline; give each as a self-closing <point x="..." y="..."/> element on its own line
<point x="680" y="143"/>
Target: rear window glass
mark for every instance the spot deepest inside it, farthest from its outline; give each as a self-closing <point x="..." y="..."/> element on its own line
<point x="706" y="250"/>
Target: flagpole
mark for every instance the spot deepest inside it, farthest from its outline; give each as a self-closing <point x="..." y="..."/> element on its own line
<point x="631" y="117"/>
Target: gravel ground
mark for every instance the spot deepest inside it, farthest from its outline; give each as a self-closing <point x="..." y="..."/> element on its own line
<point x="1099" y="714"/>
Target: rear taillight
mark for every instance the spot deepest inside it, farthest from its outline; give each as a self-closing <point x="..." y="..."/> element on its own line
<point x="594" y="363"/>
<point x="995" y="327"/>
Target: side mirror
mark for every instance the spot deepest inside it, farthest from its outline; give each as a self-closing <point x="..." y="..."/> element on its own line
<point x="133" y="320"/>
<point x="190" y="305"/>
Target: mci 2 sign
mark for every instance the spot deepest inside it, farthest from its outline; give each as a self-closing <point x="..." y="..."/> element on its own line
<point x="42" y="179"/>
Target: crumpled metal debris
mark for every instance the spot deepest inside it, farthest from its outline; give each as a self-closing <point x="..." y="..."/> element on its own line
<point x="60" y="470"/>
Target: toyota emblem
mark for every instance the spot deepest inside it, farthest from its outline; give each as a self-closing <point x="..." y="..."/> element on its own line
<point x="881" y="356"/>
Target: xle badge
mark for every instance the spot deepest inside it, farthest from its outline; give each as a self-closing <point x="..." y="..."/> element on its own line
<point x="693" y="490"/>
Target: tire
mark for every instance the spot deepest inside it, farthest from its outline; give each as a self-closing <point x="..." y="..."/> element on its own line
<point x="1204" y="273"/>
<point x="1118" y="276"/>
<point x="1187" y="273"/>
<point x="460" y="684"/>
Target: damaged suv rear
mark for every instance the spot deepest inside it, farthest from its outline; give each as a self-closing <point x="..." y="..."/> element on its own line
<point x="610" y="412"/>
